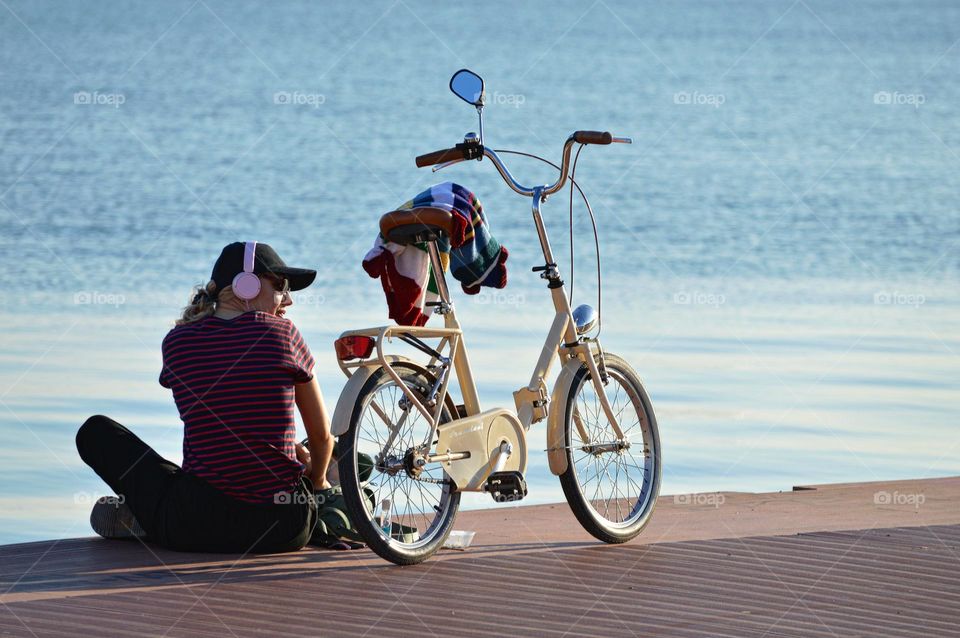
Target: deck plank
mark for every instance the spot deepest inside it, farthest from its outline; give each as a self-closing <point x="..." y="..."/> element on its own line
<point x="776" y="565"/>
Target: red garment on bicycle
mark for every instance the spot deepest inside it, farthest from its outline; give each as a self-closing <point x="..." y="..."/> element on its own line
<point x="473" y="255"/>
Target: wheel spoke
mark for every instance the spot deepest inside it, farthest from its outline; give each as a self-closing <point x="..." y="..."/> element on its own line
<point x="610" y="479"/>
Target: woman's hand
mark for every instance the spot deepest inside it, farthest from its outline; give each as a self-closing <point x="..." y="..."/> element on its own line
<point x="303" y="455"/>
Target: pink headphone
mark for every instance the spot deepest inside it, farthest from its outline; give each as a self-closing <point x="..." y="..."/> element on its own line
<point x="246" y="285"/>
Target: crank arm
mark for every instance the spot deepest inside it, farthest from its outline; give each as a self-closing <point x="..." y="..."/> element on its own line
<point x="394" y="468"/>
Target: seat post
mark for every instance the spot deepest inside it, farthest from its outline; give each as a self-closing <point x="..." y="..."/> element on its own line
<point x="437" y="268"/>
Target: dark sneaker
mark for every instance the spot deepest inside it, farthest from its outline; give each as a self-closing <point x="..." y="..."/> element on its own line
<point x="112" y="518"/>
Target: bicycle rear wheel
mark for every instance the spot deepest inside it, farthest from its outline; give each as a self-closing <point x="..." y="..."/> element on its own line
<point x="392" y="432"/>
<point x="612" y="488"/>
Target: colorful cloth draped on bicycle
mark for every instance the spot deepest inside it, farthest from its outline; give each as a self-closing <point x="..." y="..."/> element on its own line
<point x="472" y="254"/>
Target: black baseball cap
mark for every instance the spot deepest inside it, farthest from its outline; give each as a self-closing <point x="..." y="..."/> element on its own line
<point x="265" y="261"/>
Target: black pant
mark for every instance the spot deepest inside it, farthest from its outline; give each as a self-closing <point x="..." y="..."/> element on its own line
<point x="181" y="511"/>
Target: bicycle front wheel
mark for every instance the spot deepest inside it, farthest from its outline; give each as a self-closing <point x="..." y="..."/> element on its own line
<point x="611" y="486"/>
<point x="386" y="428"/>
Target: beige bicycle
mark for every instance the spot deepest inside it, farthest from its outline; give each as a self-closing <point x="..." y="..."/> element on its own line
<point x="426" y="449"/>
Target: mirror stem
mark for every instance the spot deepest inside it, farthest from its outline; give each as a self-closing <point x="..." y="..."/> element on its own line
<point x="480" y="116"/>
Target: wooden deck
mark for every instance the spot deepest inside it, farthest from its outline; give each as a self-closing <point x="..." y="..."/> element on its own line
<point x="867" y="559"/>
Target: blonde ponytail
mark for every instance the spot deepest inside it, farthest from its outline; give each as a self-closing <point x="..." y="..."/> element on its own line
<point x="202" y="304"/>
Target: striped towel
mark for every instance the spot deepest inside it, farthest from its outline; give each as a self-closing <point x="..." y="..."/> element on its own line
<point x="472" y="254"/>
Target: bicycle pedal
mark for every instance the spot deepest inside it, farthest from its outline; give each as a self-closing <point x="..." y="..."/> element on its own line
<point x="506" y="487"/>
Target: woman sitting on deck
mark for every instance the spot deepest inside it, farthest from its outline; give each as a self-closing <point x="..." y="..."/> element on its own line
<point x="236" y="367"/>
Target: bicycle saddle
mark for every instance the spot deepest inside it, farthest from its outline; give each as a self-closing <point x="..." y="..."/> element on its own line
<point x="415" y="225"/>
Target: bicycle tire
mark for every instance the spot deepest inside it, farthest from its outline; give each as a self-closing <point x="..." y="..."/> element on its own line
<point x="574" y="478"/>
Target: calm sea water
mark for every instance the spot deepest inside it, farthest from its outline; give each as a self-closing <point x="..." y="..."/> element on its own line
<point x="779" y="245"/>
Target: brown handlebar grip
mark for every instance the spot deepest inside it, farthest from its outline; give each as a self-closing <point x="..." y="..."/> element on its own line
<point x="439" y="157"/>
<point x="593" y="137"/>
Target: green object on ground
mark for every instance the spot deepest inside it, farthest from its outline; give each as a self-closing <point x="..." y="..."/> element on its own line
<point x="334" y="525"/>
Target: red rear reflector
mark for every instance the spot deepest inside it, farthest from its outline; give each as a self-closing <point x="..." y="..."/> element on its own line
<point x="354" y="347"/>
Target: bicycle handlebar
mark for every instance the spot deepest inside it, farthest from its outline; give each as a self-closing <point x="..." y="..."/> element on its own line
<point x="592" y="137"/>
<point x="461" y="152"/>
<point x="469" y="149"/>
<point x="439" y="157"/>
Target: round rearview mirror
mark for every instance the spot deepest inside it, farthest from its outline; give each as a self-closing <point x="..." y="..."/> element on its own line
<point x="468" y="86"/>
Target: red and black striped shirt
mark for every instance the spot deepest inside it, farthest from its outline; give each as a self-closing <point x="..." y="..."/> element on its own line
<point x="232" y="380"/>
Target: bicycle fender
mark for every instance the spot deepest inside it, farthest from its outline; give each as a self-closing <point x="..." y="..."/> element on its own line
<point x="556" y="454"/>
<point x="342" y="414"/>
